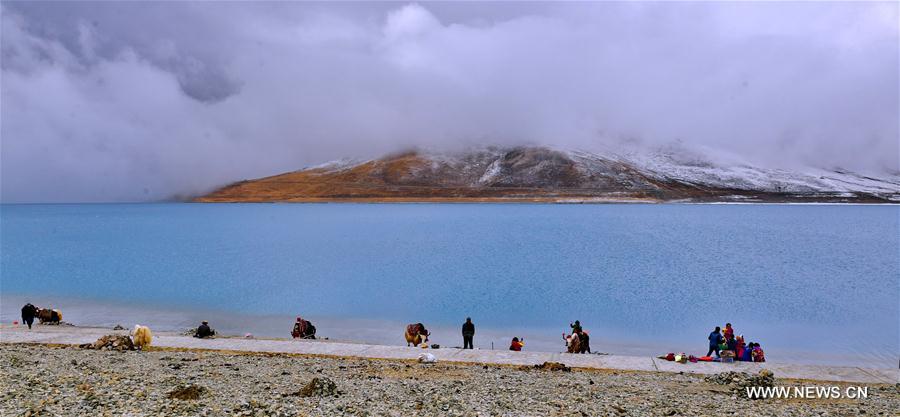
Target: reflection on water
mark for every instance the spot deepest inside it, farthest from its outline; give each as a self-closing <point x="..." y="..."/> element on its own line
<point x="811" y="283"/>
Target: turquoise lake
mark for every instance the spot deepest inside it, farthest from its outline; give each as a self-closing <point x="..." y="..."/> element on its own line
<point x="812" y="283"/>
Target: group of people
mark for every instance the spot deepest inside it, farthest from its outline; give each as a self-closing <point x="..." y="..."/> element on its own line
<point x="517" y="343"/>
<point x="468" y="334"/>
<point x="723" y="343"/>
<point x="303" y="329"/>
<point x="727" y="346"/>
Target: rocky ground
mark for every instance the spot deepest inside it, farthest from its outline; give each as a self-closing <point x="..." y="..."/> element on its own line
<point x="42" y="380"/>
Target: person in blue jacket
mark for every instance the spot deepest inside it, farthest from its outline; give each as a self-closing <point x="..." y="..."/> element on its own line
<point x="748" y="357"/>
<point x="715" y="338"/>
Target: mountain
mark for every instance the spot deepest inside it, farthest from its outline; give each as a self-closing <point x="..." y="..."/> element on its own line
<point x="550" y="175"/>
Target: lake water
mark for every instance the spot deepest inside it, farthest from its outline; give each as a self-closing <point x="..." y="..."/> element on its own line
<point x="812" y="283"/>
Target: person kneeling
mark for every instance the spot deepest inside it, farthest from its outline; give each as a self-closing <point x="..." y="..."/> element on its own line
<point x="204" y="331"/>
<point x="517" y="345"/>
<point x="303" y="329"/>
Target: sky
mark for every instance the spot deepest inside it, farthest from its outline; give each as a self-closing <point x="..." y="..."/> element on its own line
<point x="147" y="101"/>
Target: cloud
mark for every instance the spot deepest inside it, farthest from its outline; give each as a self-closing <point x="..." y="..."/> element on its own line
<point x="144" y="101"/>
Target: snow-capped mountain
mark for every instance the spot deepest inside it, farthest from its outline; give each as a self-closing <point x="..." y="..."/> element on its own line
<point x="545" y="174"/>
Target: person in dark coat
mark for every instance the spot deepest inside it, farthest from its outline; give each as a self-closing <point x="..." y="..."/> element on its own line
<point x="468" y="332"/>
<point x="204" y="331"/>
<point x="576" y="327"/>
<point x="28" y="313"/>
<point x="715" y="339"/>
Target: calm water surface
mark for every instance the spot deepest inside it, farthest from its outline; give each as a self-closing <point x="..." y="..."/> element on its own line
<point x="811" y="283"/>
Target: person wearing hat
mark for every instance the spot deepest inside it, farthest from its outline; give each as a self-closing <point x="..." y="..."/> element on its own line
<point x="204" y="331"/>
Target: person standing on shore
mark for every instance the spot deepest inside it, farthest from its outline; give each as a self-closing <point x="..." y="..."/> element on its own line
<point x="28" y="313"/>
<point x="468" y="332"/>
<point x="715" y="338"/>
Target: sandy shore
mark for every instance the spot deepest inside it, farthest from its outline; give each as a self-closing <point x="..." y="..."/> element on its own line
<point x="175" y="377"/>
<point x="47" y="380"/>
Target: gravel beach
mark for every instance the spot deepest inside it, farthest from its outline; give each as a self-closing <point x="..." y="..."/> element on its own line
<point x="54" y="380"/>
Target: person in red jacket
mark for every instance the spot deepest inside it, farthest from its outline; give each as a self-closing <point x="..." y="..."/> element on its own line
<point x="516" y="345"/>
<point x="757" y="353"/>
<point x="729" y="332"/>
<point x="739" y="349"/>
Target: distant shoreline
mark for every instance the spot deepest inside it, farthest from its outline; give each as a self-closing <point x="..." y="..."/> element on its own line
<point x="534" y="201"/>
<point x="75" y="335"/>
<point x="499" y="200"/>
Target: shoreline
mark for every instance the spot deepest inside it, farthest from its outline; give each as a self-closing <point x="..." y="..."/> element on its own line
<point x="92" y="313"/>
<point x="535" y="200"/>
<point x="676" y="202"/>
<point x="61" y="379"/>
<point x="73" y="336"/>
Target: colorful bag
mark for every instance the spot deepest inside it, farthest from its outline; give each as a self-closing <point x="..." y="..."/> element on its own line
<point x="727" y="356"/>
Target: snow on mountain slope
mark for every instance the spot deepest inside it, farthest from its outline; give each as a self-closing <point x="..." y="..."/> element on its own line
<point x="696" y="169"/>
<point x="544" y="174"/>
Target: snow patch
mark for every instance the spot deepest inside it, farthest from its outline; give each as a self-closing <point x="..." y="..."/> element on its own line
<point x="492" y="171"/>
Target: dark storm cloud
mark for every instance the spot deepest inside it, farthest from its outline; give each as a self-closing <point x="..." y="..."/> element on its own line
<point x="114" y="101"/>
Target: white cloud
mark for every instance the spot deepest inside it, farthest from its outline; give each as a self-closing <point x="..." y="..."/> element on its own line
<point x="135" y="101"/>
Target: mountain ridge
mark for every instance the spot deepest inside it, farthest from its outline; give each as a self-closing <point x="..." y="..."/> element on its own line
<point x="543" y="174"/>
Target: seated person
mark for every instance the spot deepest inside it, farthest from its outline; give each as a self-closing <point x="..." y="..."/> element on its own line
<point x="517" y="345"/>
<point x="747" y="355"/>
<point x="576" y="327"/>
<point x="731" y="344"/>
<point x="303" y="329"/>
<point x="757" y="354"/>
<point x="739" y="348"/>
<point x="204" y="331"/>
